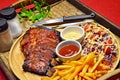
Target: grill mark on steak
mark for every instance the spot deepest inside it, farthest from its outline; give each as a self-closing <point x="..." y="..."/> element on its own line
<point x="38" y="46"/>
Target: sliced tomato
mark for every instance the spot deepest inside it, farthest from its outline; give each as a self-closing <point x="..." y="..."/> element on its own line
<point x="107" y="50"/>
<point x="104" y="48"/>
<point x="109" y="41"/>
<point x="86" y="27"/>
<point x="92" y="36"/>
<point x="30" y="6"/>
<point x="27" y="7"/>
<point x="100" y="31"/>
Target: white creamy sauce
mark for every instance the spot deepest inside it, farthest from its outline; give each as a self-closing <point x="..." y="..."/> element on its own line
<point x="71" y="35"/>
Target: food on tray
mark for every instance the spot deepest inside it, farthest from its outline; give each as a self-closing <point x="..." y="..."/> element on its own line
<point x="99" y="55"/>
<point x="104" y="57"/>
<point x="88" y="67"/>
<point x="71" y="35"/>
<point x="68" y="50"/>
<point x="101" y="41"/>
<point x="38" y="46"/>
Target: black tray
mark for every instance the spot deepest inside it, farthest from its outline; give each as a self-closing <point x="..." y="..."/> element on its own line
<point x="98" y="18"/>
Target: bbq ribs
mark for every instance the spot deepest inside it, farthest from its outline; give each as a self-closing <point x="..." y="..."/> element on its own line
<point x="38" y="46"/>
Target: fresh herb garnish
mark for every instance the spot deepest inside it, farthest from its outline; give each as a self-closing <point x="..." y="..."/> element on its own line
<point x="41" y="13"/>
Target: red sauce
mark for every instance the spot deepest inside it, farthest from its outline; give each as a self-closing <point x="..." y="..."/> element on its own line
<point x="68" y="50"/>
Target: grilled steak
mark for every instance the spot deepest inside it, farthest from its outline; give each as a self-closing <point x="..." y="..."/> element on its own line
<point x="38" y="46"/>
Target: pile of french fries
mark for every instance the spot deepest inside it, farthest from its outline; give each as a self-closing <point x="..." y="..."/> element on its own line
<point x="88" y="67"/>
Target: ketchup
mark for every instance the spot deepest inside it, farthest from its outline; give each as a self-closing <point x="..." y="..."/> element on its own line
<point x="68" y="50"/>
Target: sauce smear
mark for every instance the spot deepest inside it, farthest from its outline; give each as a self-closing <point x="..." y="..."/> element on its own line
<point x="68" y="50"/>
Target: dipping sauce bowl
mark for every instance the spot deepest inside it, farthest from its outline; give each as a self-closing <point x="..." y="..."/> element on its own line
<point x="68" y="50"/>
<point x="73" y="33"/>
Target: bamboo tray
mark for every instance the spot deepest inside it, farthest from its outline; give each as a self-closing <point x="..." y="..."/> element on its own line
<point x="16" y="58"/>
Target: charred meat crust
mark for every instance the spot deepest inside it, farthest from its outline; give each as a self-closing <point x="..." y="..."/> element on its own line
<point x="38" y="46"/>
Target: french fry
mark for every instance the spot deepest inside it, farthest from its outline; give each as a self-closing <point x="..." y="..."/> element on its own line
<point x="84" y="70"/>
<point x="89" y="57"/>
<point x="101" y="72"/>
<point x="87" y="67"/>
<point x="83" y="79"/>
<point x="73" y="63"/>
<point x="96" y="64"/>
<point x="95" y="59"/>
<point x="56" y="78"/>
<point x="77" y="69"/>
<point x="62" y="67"/>
<point x="66" y="72"/>
<point x="98" y="75"/>
<point x="82" y="58"/>
<point x="62" y="78"/>
<point x="87" y="78"/>
<point x="105" y="67"/>
<point x="79" y="78"/>
<point x="66" y="76"/>
<point x="92" y="75"/>
<point x="76" y="62"/>
<point x="76" y="77"/>
<point x="66" y="63"/>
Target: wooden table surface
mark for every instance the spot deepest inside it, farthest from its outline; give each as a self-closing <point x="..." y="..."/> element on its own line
<point x="58" y="10"/>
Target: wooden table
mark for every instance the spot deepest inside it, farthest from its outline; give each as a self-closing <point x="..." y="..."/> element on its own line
<point x="58" y="10"/>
